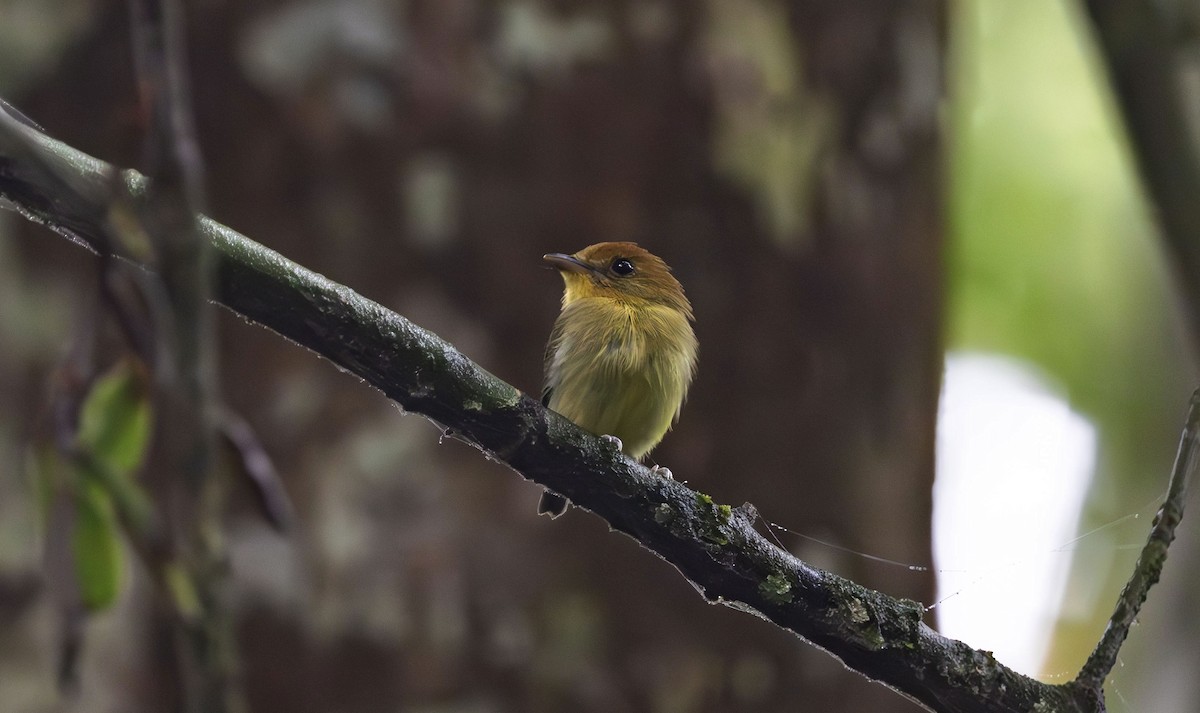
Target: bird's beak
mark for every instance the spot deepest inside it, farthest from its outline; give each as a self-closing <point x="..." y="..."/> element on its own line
<point x="568" y="263"/>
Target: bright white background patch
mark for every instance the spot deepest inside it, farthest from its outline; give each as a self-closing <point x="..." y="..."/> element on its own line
<point x="1013" y="466"/>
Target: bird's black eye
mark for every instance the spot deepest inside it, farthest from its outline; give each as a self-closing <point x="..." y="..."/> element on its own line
<point x="621" y="267"/>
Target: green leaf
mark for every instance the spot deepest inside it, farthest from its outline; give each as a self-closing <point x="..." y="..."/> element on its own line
<point x="130" y="500"/>
<point x="114" y="421"/>
<point x="98" y="557"/>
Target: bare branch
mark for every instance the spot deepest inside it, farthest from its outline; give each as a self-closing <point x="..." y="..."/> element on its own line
<point x="1154" y="555"/>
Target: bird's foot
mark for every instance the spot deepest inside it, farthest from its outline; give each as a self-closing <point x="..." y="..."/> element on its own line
<point x="613" y="441"/>
<point x="663" y="472"/>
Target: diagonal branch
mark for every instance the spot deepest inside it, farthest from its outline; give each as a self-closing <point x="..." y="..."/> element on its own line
<point x="1154" y="555"/>
<point x="714" y="546"/>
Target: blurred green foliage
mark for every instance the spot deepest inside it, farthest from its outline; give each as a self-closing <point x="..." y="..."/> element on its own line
<point x="95" y="472"/>
<point x="1055" y="260"/>
<point x="114" y="422"/>
<point x="99" y="558"/>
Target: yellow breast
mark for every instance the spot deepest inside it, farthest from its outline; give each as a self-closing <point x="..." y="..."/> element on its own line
<point x="620" y="369"/>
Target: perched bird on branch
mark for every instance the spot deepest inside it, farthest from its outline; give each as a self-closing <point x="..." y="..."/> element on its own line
<point x="622" y="353"/>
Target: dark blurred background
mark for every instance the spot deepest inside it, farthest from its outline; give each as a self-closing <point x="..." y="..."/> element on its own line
<point x="836" y="220"/>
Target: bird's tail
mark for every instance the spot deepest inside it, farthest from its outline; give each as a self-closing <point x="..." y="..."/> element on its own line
<point x="552" y="504"/>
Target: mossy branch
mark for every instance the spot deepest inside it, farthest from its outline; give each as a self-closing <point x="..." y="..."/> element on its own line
<point x="714" y="546"/>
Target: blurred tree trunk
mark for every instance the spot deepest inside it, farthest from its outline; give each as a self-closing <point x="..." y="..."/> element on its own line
<point x="785" y="159"/>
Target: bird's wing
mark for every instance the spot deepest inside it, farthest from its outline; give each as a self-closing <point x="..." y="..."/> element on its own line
<point x="548" y="361"/>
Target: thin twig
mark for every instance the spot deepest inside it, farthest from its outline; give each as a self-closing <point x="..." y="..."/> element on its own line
<point x="1154" y="555"/>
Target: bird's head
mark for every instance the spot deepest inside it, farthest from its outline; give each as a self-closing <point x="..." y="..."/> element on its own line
<point x="620" y="271"/>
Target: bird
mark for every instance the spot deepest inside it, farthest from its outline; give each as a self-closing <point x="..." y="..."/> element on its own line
<point x="622" y="353"/>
